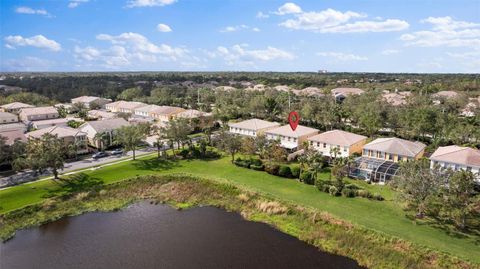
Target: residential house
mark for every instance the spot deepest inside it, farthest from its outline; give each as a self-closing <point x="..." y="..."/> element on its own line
<point x="124" y="106"/>
<point x="91" y="101"/>
<point x="69" y="136"/>
<point x="68" y="107"/>
<point x="13" y="126"/>
<point x="396" y="99"/>
<point x="290" y="139"/>
<point x="341" y="93"/>
<point x="337" y="143"/>
<point x="252" y="127"/>
<point x="379" y="161"/>
<point x="394" y="149"/>
<point x="13" y="135"/>
<point x="101" y="134"/>
<point x="165" y="113"/>
<point x="144" y="111"/>
<point x="100" y="114"/>
<point x="192" y="114"/>
<point x="457" y="158"/>
<point x="6" y="117"/>
<point x="42" y="124"/>
<point x="38" y="113"/>
<point x="14" y="107"/>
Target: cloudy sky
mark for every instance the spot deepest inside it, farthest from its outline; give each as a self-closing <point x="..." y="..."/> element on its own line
<point x="253" y="35"/>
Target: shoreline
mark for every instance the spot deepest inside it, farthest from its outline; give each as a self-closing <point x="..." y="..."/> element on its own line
<point x="317" y="228"/>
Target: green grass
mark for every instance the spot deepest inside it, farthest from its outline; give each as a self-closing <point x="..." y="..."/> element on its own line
<point x="385" y="217"/>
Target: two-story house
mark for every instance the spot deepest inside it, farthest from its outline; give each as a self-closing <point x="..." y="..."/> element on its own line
<point x="252" y="127"/>
<point x="457" y="158"/>
<point x="337" y="143"/>
<point x="289" y="138"/>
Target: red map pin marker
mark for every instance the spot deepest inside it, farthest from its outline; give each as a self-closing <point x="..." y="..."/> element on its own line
<point x="293" y="119"/>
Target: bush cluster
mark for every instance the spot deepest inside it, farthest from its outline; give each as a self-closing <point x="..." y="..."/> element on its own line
<point x="348" y="190"/>
<point x="254" y="164"/>
<point x="195" y="153"/>
<point x="271" y="168"/>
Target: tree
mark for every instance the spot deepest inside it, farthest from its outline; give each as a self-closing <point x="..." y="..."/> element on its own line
<point x="418" y="184"/>
<point x="177" y="130"/>
<point x="230" y="142"/>
<point x="45" y="152"/>
<point x="459" y="198"/>
<point x="81" y="110"/>
<point x="5" y="152"/>
<point x="275" y="152"/>
<point x="130" y="94"/>
<point x="315" y="162"/>
<point x="248" y="146"/>
<point x="130" y="137"/>
<point x="103" y="138"/>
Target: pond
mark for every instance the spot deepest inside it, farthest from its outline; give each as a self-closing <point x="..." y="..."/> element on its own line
<point x="158" y="236"/>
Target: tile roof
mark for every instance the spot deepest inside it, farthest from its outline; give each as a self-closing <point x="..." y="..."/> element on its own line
<point x="286" y="130"/>
<point x="347" y="91"/>
<point x="51" y="121"/>
<point x="60" y="132"/>
<point x="106" y="125"/>
<point x="39" y="110"/>
<point x="192" y="113"/>
<point x="396" y="146"/>
<point x="6" y="115"/>
<point x="15" y="105"/>
<point x="101" y="114"/>
<point x="13" y="135"/>
<point x="166" y="110"/>
<point x="254" y="124"/>
<point x="338" y="137"/>
<point x="458" y="155"/>
<point x="147" y="108"/>
<point x="86" y="99"/>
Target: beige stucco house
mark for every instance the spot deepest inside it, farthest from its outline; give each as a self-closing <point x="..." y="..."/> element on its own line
<point x="105" y="128"/>
<point x="337" y="143"/>
<point x="6" y="118"/>
<point x="67" y="135"/>
<point x="165" y="113"/>
<point x="90" y="101"/>
<point x="14" y="107"/>
<point x="252" y="127"/>
<point x="393" y="149"/>
<point x="457" y="158"/>
<point x="38" y="113"/>
<point x="290" y="139"/>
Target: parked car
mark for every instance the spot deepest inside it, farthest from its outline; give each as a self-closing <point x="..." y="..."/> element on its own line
<point x="99" y="155"/>
<point x="117" y="152"/>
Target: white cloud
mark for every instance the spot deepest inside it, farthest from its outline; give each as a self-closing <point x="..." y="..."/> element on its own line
<point x="26" y="64"/>
<point x="445" y="31"/>
<point x="76" y="3"/>
<point x="288" y="8"/>
<point x="130" y="50"/>
<point x="235" y="28"/>
<point x="333" y="21"/>
<point x="149" y="3"/>
<point x="390" y="51"/>
<point x="240" y="55"/>
<point x="31" y="11"/>
<point x="470" y="59"/>
<point x="261" y="15"/>
<point x="38" y="41"/>
<point x="163" y="28"/>
<point x="344" y="57"/>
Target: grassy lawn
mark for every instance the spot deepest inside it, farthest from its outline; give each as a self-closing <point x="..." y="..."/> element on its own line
<point x="385" y="217"/>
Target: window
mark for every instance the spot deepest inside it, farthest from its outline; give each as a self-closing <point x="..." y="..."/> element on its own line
<point x="345" y="149"/>
<point x="469" y="168"/>
<point x="324" y="145"/>
<point x="295" y="140"/>
<point x="318" y="144"/>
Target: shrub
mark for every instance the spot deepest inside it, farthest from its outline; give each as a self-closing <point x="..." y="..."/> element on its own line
<point x="256" y="162"/>
<point x="333" y="191"/>
<point x="321" y="183"/>
<point x="184" y="153"/>
<point x="295" y="171"/>
<point x="284" y="171"/>
<point x="272" y="169"/>
<point x="364" y="194"/>
<point x="352" y="187"/>
<point x="348" y="192"/>
<point x="257" y="167"/>
<point x="272" y="207"/>
<point x="307" y="177"/>
<point x="378" y="197"/>
<point x="326" y="188"/>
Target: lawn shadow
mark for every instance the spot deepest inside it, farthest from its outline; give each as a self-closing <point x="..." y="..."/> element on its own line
<point x="448" y="228"/>
<point x="155" y="164"/>
<point x="75" y="183"/>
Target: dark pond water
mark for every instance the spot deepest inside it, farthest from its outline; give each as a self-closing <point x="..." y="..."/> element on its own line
<point x="158" y="236"/>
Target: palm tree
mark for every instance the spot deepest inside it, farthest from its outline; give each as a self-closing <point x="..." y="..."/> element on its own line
<point x="102" y="138"/>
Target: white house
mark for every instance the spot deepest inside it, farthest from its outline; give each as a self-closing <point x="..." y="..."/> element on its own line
<point x="90" y="101"/>
<point x="144" y="111"/>
<point x="252" y="127"/>
<point x="101" y="133"/>
<point x="290" y="139"/>
<point x="38" y="113"/>
<point x="347" y="143"/>
<point x="6" y="117"/>
<point x="456" y="158"/>
<point x="14" y="107"/>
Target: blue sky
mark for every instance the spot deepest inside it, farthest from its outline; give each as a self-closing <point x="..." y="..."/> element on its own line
<point x="247" y="35"/>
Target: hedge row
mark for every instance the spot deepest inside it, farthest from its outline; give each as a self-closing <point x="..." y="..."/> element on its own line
<point x="273" y="169"/>
<point x="349" y="190"/>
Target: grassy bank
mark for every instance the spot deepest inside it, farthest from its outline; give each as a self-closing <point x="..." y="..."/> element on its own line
<point x="380" y="217"/>
<point x="369" y="248"/>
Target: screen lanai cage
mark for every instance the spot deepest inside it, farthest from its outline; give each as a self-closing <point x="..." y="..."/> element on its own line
<point x="373" y="169"/>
